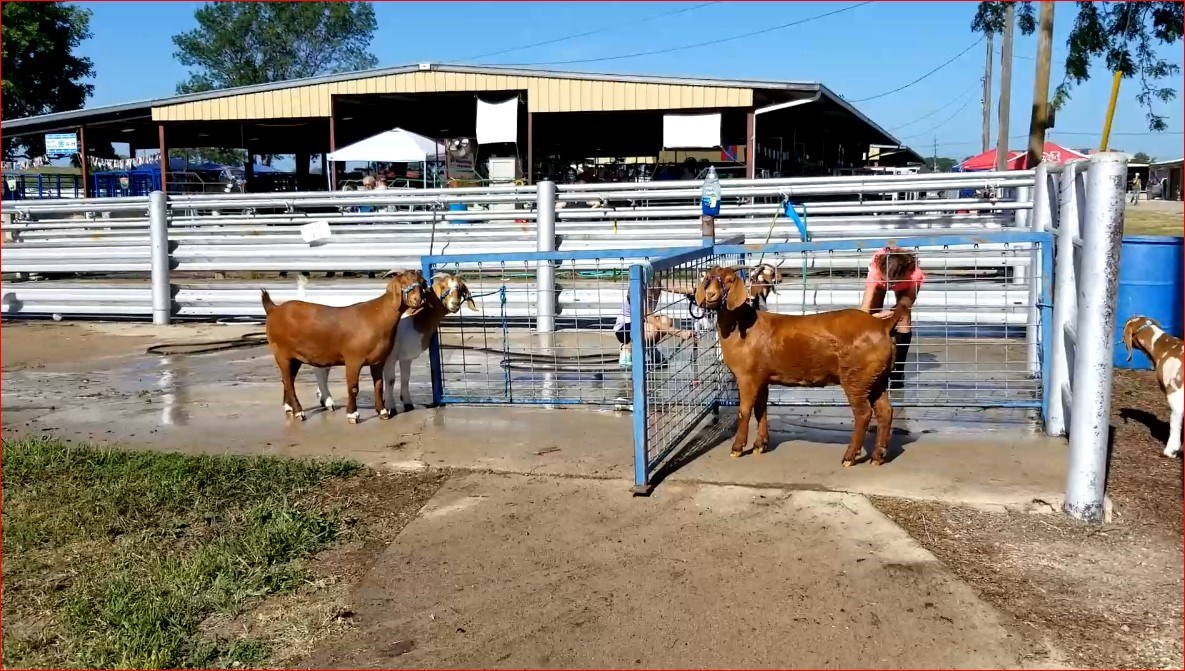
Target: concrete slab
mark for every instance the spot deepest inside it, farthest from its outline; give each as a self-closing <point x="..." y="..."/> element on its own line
<point x="525" y="572"/>
<point x="231" y="402"/>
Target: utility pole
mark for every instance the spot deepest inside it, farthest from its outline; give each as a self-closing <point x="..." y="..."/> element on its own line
<point x="987" y="93"/>
<point x="934" y="164"/>
<point x="1039" y="122"/>
<point x="1005" y="88"/>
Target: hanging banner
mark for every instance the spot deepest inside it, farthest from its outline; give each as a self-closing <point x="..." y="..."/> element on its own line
<point x="497" y="122"/>
<point x="690" y="131"/>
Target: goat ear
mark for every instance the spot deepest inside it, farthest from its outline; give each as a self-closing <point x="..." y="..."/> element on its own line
<point x="391" y="273"/>
<point x="1128" y="332"/>
<point x="470" y="304"/>
<point x="737" y="293"/>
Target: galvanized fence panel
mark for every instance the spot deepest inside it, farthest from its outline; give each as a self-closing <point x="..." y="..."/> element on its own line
<point x="543" y="333"/>
<point x="976" y="336"/>
<point x="976" y="343"/>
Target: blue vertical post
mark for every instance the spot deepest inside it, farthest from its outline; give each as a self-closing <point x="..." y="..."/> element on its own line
<point x="637" y="294"/>
<point x="434" y="348"/>
<point x="1046" y="330"/>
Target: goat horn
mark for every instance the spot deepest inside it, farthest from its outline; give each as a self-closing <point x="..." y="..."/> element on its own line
<point x="389" y="273"/>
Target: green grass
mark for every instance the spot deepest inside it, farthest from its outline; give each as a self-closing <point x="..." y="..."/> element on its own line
<point x="114" y="559"/>
<point x="1143" y="222"/>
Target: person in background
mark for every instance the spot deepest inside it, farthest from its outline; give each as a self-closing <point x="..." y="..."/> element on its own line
<point x="656" y="326"/>
<point x="1136" y="185"/>
<point x="896" y="269"/>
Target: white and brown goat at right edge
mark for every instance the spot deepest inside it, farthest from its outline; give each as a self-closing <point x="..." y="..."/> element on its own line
<point x="1165" y="353"/>
<point x="412" y="336"/>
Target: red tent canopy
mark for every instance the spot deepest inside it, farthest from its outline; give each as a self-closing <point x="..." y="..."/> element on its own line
<point x="1052" y="153"/>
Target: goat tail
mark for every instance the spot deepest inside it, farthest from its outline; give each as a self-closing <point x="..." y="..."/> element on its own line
<point x="268" y="303"/>
<point x="301" y="283"/>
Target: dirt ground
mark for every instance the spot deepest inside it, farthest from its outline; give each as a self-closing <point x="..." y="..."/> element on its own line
<point x="1108" y="597"/>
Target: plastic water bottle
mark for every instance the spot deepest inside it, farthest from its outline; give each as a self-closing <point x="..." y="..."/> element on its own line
<point x="710" y="195"/>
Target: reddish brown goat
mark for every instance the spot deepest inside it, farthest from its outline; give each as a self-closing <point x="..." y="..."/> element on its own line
<point x="850" y="348"/>
<point x="357" y="335"/>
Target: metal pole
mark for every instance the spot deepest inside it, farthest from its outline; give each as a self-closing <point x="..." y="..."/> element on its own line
<point x="545" y="296"/>
<point x="637" y="294"/>
<point x="1038" y="221"/>
<point x="158" y="235"/>
<point x="1098" y="285"/>
<point x="1065" y="301"/>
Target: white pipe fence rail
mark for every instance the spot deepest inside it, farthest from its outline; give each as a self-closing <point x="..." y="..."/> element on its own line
<point x="94" y="242"/>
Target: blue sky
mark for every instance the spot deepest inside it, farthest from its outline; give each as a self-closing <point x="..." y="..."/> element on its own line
<point x="858" y="53"/>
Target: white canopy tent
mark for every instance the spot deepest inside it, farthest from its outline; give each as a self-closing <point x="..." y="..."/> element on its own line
<point x="393" y="146"/>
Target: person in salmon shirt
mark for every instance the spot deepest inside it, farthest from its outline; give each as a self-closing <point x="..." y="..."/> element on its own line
<point x="896" y="269"/>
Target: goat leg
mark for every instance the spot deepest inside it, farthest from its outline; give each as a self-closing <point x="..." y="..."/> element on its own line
<point x="376" y="376"/>
<point x="288" y="369"/>
<point x="747" y="392"/>
<point x="761" y="412"/>
<point x="862" y="413"/>
<point x="353" y="370"/>
<point x="884" y="427"/>
<point x="405" y="384"/>
<point x="1173" y="447"/>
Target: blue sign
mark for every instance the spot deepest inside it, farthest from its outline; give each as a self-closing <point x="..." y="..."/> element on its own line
<point x="61" y="144"/>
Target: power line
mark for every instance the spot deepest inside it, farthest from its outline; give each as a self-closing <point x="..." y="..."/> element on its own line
<point x="946" y="120"/>
<point x="699" y="44"/>
<point x="902" y="88"/>
<point x="592" y="32"/>
<point x="941" y="107"/>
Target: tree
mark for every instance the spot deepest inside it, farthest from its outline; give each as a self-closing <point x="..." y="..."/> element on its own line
<point x="246" y="43"/>
<point x="941" y="164"/>
<point x="1123" y="33"/>
<point x="1141" y="157"/>
<point x="41" y="73"/>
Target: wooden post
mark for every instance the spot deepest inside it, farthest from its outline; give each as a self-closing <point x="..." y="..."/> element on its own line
<point x="987" y="95"/>
<point x="1005" y="88"/>
<point x="1039" y="121"/>
<point x="332" y="145"/>
<point x="86" y="171"/>
<point x="751" y="144"/>
<point x="530" y="148"/>
<point x="164" y="159"/>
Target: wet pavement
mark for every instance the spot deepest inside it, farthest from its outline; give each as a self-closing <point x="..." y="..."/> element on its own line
<point x="231" y="402"/>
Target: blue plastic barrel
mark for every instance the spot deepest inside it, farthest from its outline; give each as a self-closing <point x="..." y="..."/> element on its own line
<point x="1151" y="268"/>
<point x="458" y="207"/>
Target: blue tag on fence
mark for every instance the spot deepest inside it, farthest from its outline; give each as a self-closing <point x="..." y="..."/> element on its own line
<point x="792" y="214"/>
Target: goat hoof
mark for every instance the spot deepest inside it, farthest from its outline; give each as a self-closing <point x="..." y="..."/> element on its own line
<point x="299" y="415"/>
<point x="408" y="407"/>
<point x="288" y="409"/>
<point x="758" y="449"/>
<point x="847" y="463"/>
<point x="384" y="414"/>
<point x="735" y="453"/>
<point x="328" y="404"/>
<point x="352" y="418"/>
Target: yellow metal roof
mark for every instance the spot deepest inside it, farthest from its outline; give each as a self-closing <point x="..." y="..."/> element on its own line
<point x="555" y="93"/>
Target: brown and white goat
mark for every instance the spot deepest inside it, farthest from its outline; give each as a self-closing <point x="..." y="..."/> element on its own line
<point x="362" y="334"/>
<point x="1165" y="353"/>
<point x="850" y="348"/>
<point x="763" y="278"/>
<point x="448" y="293"/>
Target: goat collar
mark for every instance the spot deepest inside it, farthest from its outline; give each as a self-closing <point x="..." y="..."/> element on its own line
<point x="1141" y="327"/>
